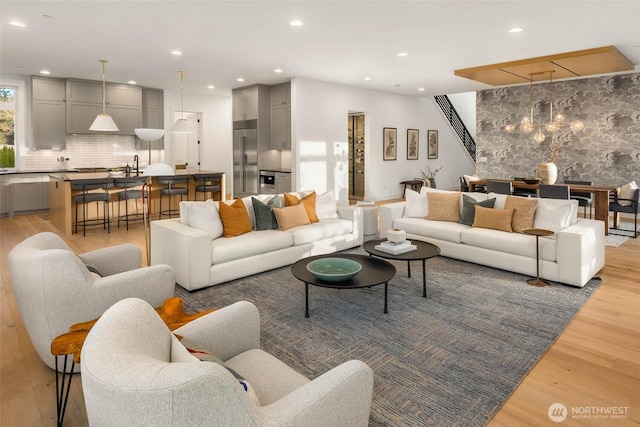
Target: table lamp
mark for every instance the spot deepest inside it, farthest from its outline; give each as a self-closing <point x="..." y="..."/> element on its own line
<point x="153" y="169"/>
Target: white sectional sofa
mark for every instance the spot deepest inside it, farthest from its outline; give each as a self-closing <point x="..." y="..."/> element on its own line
<point x="195" y="247"/>
<point x="573" y="255"/>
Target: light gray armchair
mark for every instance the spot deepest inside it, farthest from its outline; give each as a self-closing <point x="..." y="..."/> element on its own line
<point x="142" y="375"/>
<point x="54" y="288"/>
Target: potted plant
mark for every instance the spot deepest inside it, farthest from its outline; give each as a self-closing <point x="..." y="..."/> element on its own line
<point x="430" y="176"/>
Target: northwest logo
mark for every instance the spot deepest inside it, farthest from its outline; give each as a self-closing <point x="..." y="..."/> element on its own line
<point x="557" y="412"/>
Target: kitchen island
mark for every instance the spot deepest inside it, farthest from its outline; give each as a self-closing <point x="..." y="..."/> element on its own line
<point x="62" y="206"/>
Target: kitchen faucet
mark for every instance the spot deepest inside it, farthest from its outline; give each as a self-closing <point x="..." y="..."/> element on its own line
<point x="135" y="159"/>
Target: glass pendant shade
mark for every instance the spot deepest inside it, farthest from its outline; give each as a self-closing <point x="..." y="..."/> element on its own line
<point x="539" y="136"/>
<point x="105" y="123"/>
<point x="148" y="134"/>
<point x="576" y="126"/>
<point x="510" y="128"/>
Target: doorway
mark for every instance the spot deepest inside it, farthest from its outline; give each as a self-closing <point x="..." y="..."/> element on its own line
<point x="185" y="148"/>
<point x="356" y="155"/>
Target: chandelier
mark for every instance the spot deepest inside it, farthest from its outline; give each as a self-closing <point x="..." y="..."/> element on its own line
<point x="554" y="124"/>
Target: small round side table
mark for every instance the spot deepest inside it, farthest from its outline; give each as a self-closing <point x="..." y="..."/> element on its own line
<point x="537" y="232"/>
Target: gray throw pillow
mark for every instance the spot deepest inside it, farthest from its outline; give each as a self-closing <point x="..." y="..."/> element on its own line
<point x="265" y="219"/>
<point x="469" y="208"/>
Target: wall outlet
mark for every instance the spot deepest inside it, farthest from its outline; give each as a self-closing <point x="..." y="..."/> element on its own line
<point x="482" y="160"/>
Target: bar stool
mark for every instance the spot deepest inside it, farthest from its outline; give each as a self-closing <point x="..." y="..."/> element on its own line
<point x="131" y="191"/>
<point x="89" y="193"/>
<point x="182" y="189"/>
<point x="207" y="183"/>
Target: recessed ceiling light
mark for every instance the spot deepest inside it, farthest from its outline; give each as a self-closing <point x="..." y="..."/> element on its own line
<point x="46" y="72"/>
<point x="240" y="79"/>
<point x="420" y="89"/>
<point x="367" y="78"/>
<point x="132" y="82"/>
<point x="277" y="70"/>
<point x="176" y="52"/>
<point x="403" y="54"/>
<point x="296" y="23"/>
<point x="17" y="24"/>
<point x="211" y="87"/>
<point x="516" y="30"/>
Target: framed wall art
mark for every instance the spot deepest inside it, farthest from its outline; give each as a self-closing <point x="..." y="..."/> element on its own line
<point x="389" y="143"/>
<point x="432" y="144"/>
<point x="413" y="144"/>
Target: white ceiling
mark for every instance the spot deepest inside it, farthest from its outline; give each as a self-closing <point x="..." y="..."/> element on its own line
<point x="340" y="41"/>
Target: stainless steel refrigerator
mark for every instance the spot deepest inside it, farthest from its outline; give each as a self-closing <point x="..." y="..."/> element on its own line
<point x="245" y="158"/>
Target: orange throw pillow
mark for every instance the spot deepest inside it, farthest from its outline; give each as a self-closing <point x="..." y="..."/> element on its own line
<point x="309" y="202"/>
<point x="235" y="218"/>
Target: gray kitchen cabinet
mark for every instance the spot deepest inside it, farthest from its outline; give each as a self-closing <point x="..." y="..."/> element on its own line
<point x="283" y="182"/>
<point x="30" y="192"/>
<point x="48" y="114"/>
<point x="281" y="127"/>
<point x="84" y="103"/>
<point x="281" y="94"/>
<point x="6" y="196"/>
<point x="152" y="116"/>
<point x="245" y="103"/>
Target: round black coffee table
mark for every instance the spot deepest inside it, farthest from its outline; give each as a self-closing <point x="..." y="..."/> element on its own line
<point x="374" y="272"/>
<point x="424" y="252"/>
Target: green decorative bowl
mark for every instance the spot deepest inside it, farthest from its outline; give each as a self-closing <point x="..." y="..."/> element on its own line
<point x="334" y="269"/>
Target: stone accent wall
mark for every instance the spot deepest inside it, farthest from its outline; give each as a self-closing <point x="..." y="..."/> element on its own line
<point x="606" y="152"/>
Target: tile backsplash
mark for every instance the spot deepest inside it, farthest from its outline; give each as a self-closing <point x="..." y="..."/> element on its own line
<point x="89" y="151"/>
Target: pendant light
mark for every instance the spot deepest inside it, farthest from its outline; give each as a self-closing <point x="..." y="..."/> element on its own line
<point x="103" y="121"/>
<point x="182" y="124"/>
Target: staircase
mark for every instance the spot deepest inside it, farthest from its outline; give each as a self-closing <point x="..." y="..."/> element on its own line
<point x="456" y="123"/>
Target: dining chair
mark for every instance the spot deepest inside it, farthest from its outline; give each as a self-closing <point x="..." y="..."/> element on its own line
<point x="524" y="192"/>
<point x="618" y="205"/>
<point x="500" y="187"/>
<point x="584" y="199"/>
<point x="553" y="191"/>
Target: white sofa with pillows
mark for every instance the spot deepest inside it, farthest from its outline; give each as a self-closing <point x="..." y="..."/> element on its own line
<point x="487" y="229"/>
<point x="215" y="242"/>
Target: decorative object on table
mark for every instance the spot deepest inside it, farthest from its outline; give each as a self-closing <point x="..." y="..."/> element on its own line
<point x="154" y="169"/>
<point x="62" y="162"/>
<point x="103" y="122"/>
<point x="554" y="124"/>
<point x="334" y="269"/>
<point x="395" y="248"/>
<point x="432" y="138"/>
<point x="413" y="144"/>
<point x="181" y="125"/>
<point x="396" y="235"/>
<point x="430" y="175"/>
<point x="389" y="143"/>
<point x="548" y="173"/>
<point x="115" y="172"/>
<point x="365" y="203"/>
<point x="149" y="135"/>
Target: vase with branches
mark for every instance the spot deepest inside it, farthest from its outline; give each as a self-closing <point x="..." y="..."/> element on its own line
<point x="430" y="175"/>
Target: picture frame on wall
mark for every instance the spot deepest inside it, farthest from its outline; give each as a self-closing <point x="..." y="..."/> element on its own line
<point x="389" y="143"/>
<point x="432" y="145"/>
<point x="413" y="144"/>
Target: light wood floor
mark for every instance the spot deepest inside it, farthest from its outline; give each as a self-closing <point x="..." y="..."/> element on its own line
<point x="594" y="363"/>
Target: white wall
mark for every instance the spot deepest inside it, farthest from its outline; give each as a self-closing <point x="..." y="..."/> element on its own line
<point x="217" y="130"/>
<point x="319" y="139"/>
<point x="465" y="105"/>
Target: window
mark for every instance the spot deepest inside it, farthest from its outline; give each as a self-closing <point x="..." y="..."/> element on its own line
<point x="7" y="127"/>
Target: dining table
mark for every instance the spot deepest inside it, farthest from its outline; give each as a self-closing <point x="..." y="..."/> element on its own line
<point x="600" y="195"/>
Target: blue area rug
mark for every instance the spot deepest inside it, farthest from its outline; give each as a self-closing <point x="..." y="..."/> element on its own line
<point x="450" y="359"/>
